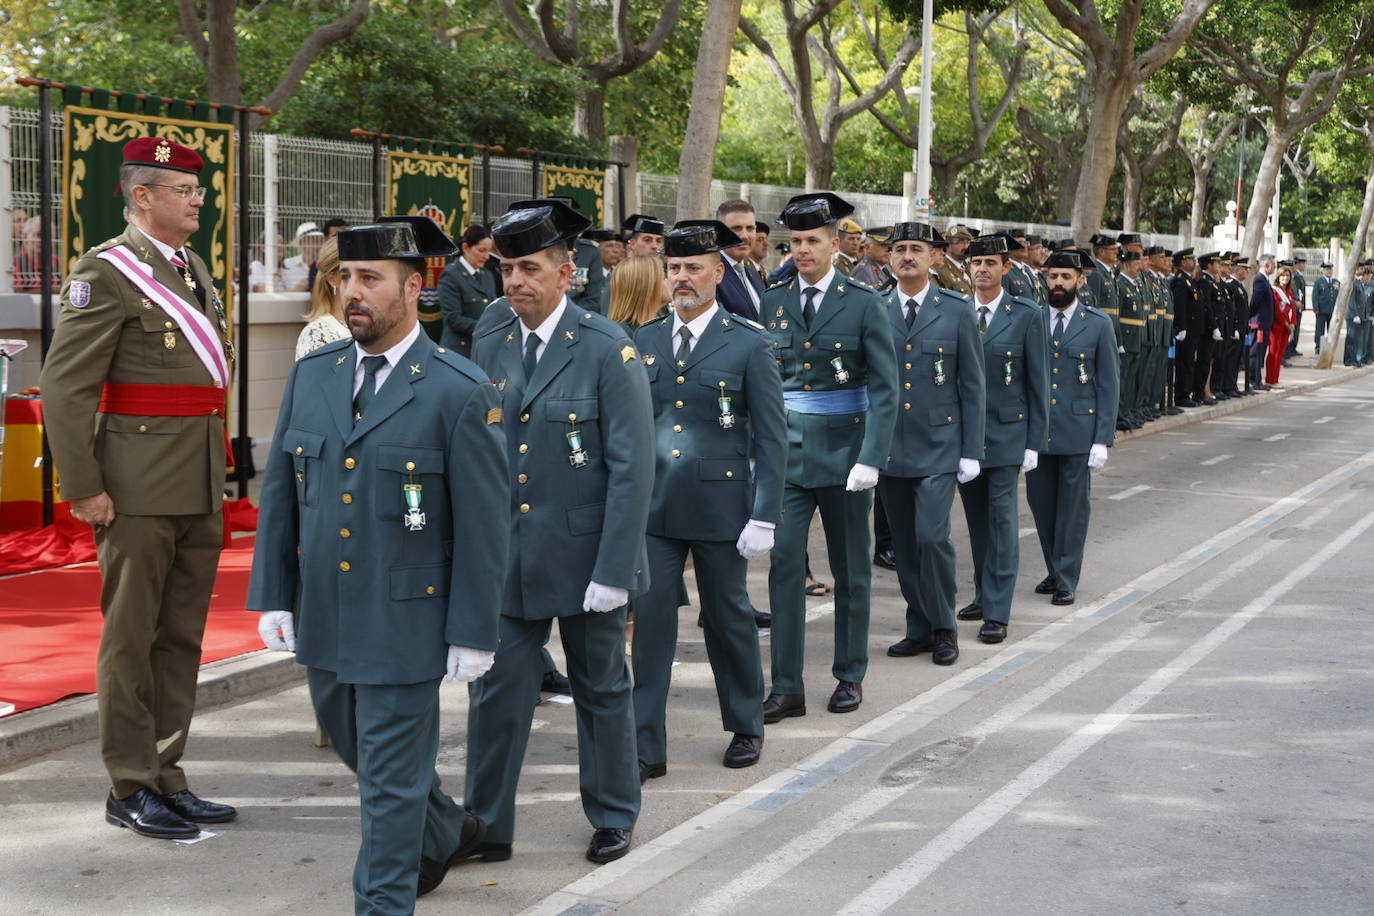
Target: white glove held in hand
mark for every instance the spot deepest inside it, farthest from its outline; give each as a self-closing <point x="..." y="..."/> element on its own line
<point x="1216" y="333"/>
<point x="466" y="664"/>
<point x="968" y="469"/>
<point x="1235" y="335"/>
<point x="1030" y="461"/>
<point x="1357" y="319"/>
<point x="862" y="477"/>
<point x="269" y="622"/>
<point x="1181" y="336"/>
<point x="603" y="598"/>
<point x="755" y="540"/>
<point x="1097" y="457"/>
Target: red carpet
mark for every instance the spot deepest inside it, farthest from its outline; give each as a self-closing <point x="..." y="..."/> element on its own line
<point x="50" y="628"/>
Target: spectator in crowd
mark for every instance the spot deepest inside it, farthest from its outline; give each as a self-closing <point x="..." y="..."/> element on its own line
<point x="257" y="268"/>
<point x="1285" y="323"/>
<point x="758" y="249"/>
<point x="465" y="290"/>
<point x="325" y="320"/>
<point x="639" y="292"/>
<point x="27" y="268"/>
<point x="333" y="225"/>
<point x="741" y="290"/>
<point x="296" y="270"/>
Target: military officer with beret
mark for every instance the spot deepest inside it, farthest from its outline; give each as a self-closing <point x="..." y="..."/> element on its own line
<point x="938" y="438"/>
<point x="386" y="448"/>
<point x="465" y="290"/>
<point x="133" y="399"/>
<point x="834" y="344"/>
<point x="717" y="398"/>
<point x="1081" y="418"/>
<point x="1018" y="384"/>
<point x="579" y="430"/>
<point x="643" y="235"/>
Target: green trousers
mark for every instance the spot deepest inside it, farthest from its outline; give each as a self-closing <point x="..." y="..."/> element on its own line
<point x="990" y="509"/>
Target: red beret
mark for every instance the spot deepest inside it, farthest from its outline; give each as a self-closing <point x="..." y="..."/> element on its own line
<point x="162" y="153"/>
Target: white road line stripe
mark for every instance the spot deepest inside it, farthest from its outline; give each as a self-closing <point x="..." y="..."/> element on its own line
<point x="1127" y="494"/>
<point x="1277" y="437"/>
<point x="1218" y="459"/>
<point x="896" y="884"/>
<point x="1320" y="420"/>
<point x="666" y="855"/>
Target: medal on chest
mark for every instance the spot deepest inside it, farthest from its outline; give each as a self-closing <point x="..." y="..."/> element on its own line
<point x="727" y="414"/>
<point x="841" y="373"/>
<point x="1082" y="370"/>
<point x="940" y="367"/>
<point x="169" y="340"/>
<point x="1006" y="370"/>
<point x="577" y="455"/>
<point x="414" y="519"/>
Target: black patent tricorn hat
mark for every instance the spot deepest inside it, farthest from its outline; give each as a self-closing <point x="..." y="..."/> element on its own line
<point x="913" y="232"/>
<point x="638" y="222"/>
<point x="396" y="237"/>
<point x="690" y="237"/>
<point x="986" y="245"/>
<point x="814" y="210"/>
<point x="1064" y="258"/>
<point x="533" y="225"/>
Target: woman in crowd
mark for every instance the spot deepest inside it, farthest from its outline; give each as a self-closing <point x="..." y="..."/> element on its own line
<point x="1285" y="319"/>
<point x="639" y="291"/>
<point x="465" y="290"/>
<point x="325" y="321"/>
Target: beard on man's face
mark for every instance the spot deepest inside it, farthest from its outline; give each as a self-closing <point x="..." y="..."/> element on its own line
<point x="1061" y="298"/>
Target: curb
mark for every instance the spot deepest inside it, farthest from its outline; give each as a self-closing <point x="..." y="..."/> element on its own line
<point x="60" y="725"/>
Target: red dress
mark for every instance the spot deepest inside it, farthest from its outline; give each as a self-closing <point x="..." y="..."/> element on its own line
<point x="1285" y="316"/>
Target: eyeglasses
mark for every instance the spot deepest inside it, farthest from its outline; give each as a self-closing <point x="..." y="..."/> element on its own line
<point x="181" y="190"/>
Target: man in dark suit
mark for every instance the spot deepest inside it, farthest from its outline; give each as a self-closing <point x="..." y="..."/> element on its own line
<point x="387" y="450"/>
<point x="579" y="433"/>
<point x="1261" y="321"/>
<point x="720" y="458"/>
<point x="741" y="289"/>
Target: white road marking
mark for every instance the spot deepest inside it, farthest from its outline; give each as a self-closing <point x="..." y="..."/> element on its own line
<point x="1320" y="420"/>
<point x="1277" y="437"/>
<point x="1215" y="460"/>
<point x="896" y="884"/>
<point x="1127" y="494"/>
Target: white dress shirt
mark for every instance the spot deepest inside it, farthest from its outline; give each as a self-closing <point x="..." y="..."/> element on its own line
<point x="544" y="331"/>
<point x="697" y="326"/>
<point x="393" y="356"/>
<point x="990" y="306"/>
<point x="822" y="286"/>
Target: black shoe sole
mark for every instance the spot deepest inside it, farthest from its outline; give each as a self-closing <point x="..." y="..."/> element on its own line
<point x="116" y="822"/>
<point x="843" y="709"/>
<point x="775" y="718"/>
<point x="741" y="764"/>
<point x="652" y="771"/>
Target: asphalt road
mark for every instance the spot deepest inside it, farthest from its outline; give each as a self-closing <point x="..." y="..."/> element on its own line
<point x="1193" y="736"/>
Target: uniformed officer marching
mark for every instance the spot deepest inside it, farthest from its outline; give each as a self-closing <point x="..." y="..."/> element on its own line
<point x="717" y="398"/>
<point x="1017" y="384"/>
<point x="133" y="399"/>
<point x="387" y="449"/>
<point x="834" y="344"/>
<point x="579" y="430"/>
<point x="1082" y="419"/>
<point x="938" y="438"/>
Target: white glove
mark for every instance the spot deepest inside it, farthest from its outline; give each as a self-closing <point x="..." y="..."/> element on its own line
<point x="1120" y="350"/>
<point x="466" y="664"/>
<point x="1097" y="457"/>
<point x="1181" y="336"/>
<point x="968" y="469"/>
<point x="1235" y="335"/>
<point x="862" y="477"/>
<point x="1357" y="319"/>
<point x="755" y="540"/>
<point x="269" y="622"/>
<point x="1216" y="333"/>
<point x="1030" y="461"/>
<point x="602" y="598"/>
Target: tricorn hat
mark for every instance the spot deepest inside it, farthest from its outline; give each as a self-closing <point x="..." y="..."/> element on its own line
<point x="638" y="222"/>
<point x="988" y="244"/>
<point x="395" y="237"/>
<point x="913" y="232"/>
<point x="1101" y="241"/>
<point x="533" y="225"/>
<point x="814" y="210"/>
<point x="1128" y="238"/>
<point x="690" y="237"/>
<point x="1182" y="254"/>
<point x="1064" y="259"/>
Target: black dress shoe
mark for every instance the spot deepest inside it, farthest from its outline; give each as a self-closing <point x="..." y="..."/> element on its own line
<point x="608" y="844"/>
<point x="905" y="648"/>
<point x="946" y="647"/>
<point x="1123" y="426"/>
<point x="185" y="804"/>
<point x="144" y="813"/>
<point x="433" y="872"/>
<point x="847" y="697"/>
<point x="555" y="682"/>
<point x="885" y="559"/>
<point x="1209" y="401"/>
<point x="1046" y="586"/>
<point x="781" y="706"/>
<point x="970" y="612"/>
<point x="1222" y="396"/>
<point x="648" y="771"/>
<point x="992" y="632"/>
<point x="763" y="620"/>
<point x="1189" y="402"/>
<point x="743" y="751"/>
<point x="1173" y="411"/>
<point x="1062" y="596"/>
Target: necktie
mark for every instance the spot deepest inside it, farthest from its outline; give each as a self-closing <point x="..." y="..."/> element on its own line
<point x="809" y="305"/>
<point x="531" y="354"/>
<point x="369" y="388"/>
<point x="684" y="349"/>
<point x="1059" y="327"/>
<point x="910" y="312"/>
<point x="743" y="276"/>
<point x="183" y="268"/>
<point x="983" y="312"/>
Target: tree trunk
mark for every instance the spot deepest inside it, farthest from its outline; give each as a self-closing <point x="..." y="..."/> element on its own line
<point x="1262" y="195"/>
<point x="1098" y="158"/>
<point x="589" y="114"/>
<point x="820" y="167"/>
<point x="1130" y="195"/>
<point x="1333" y="333"/>
<point x="1202" y="174"/>
<point x="698" y="156"/>
<point x="946" y="182"/>
<point x="222" y="62"/>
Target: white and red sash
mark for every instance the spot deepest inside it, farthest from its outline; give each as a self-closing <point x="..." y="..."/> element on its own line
<point x="192" y="322"/>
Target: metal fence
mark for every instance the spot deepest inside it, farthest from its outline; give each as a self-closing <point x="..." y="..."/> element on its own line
<point x="295" y="180"/>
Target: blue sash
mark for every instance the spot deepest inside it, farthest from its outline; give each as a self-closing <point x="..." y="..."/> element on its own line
<point x="848" y="400"/>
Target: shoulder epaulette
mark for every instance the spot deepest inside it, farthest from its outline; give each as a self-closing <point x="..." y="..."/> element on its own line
<point x="786" y="282"/>
<point x="331" y="347"/>
<point x="462" y="364"/>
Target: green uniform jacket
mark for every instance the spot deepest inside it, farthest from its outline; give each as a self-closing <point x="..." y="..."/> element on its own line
<point x="1102" y="282"/>
<point x="1083" y="408"/>
<point x="1018" y="382"/>
<point x="1324" y="295"/>
<point x="463" y="297"/>
<point x="851" y="325"/>
<point x="595" y="295"/>
<point x="571" y="525"/>
<point x="704" y="489"/>
<point x="378" y="602"/>
<point x="1132" y="306"/>
<point x="148" y="465"/>
<point x="1019" y="282"/>
<point x="942" y="396"/>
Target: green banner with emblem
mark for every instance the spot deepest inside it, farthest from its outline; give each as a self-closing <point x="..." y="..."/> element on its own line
<point x="422" y="181"/>
<point x="93" y="209"/>
<point x="587" y="186"/>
